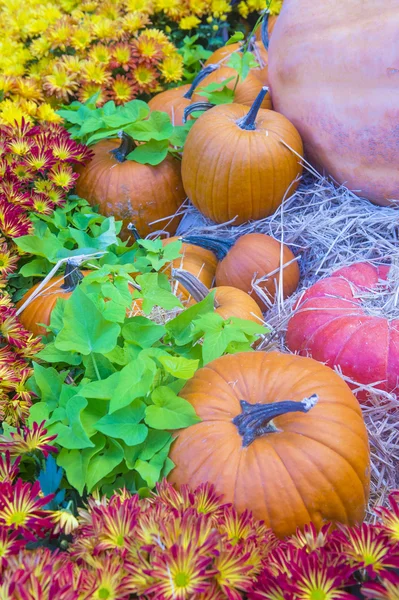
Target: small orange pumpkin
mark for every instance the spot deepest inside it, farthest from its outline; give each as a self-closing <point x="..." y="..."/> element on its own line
<point x="245" y="91"/>
<point x="62" y="286"/>
<point x="240" y="164"/>
<point x="127" y="190"/>
<point x="252" y="257"/>
<point x="175" y="100"/>
<point x="280" y="435"/>
<point x="229" y="301"/>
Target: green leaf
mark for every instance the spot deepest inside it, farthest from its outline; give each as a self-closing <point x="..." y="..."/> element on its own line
<point x="150" y="153"/>
<point x="46" y="246"/>
<point x="182" y="327"/>
<point x="155" y="441"/>
<point x="49" y="383"/>
<point x="84" y="329"/>
<point x="75" y="462"/>
<point x="142" y="331"/>
<point x="35" y="268"/>
<point x="92" y="414"/>
<point x="38" y="413"/>
<point x="236" y="37"/>
<point x="72" y="436"/>
<point x="155" y="291"/>
<point x="52" y="354"/>
<point x="178" y="366"/>
<point x="169" y="411"/>
<point x="151" y="470"/>
<point x="125" y="424"/>
<point x="242" y="62"/>
<point x="158" y="126"/>
<point x="103" y="463"/>
<point x="217" y="335"/>
<point x="135" y="381"/>
<point x="102" y="390"/>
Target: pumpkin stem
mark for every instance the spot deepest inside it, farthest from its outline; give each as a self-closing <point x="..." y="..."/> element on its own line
<point x="218" y="246"/>
<point x="196" y="107"/>
<point x="255" y="419"/>
<point x="127" y="146"/>
<point x="192" y="284"/>
<point x="248" y="122"/>
<point x="264" y="32"/>
<point x="131" y="227"/>
<point x="73" y="275"/>
<point x="201" y="75"/>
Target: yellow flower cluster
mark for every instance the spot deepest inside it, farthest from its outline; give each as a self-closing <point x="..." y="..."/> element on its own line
<point x="245" y="7"/>
<point x="54" y="51"/>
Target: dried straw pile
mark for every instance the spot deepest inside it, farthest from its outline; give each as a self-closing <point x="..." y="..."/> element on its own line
<point x="329" y="227"/>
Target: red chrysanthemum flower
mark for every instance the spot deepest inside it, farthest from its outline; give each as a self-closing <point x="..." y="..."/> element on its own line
<point x="63" y="176"/>
<point x="234" y="574"/>
<point x="390" y="516"/>
<point x="21" y="507"/>
<point x="114" y="525"/>
<point x="270" y="588"/>
<point x="40" y="159"/>
<point x="26" y="440"/>
<point x="313" y="577"/>
<point x="387" y="589"/>
<point x="41" y="205"/>
<point x="8" y="469"/>
<point x="13" y="191"/>
<point x="366" y="547"/>
<point x="11" y="329"/>
<point x="10" y="545"/>
<point x="310" y="538"/>
<point x="14" y="411"/>
<point x="65" y="149"/>
<point x="106" y="580"/>
<point x="13" y="220"/>
<point x="121" y="57"/>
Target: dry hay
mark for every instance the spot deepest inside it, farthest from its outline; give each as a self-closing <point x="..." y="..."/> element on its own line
<point x="328" y="227"/>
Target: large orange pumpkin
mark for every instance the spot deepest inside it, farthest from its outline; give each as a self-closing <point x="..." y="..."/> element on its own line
<point x="335" y="75"/>
<point x="229" y="301"/>
<point x="252" y="257"/>
<point x="280" y="435"/>
<point x="222" y="55"/>
<point x="245" y="92"/>
<point x="127" y="190"/>
<point x="175" y="100"/>
<point x="236" y="163"/>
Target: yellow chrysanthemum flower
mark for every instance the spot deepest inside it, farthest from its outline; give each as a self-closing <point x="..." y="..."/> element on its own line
<point x="95" y="72"/>
<point x="40" y="47"/>
<point x="7" y="84"/>
<point x="28" y="88"/>
<point x="100" y="53"/>
<point x="243" y="9"/>
<point x="275" y="7"/>
<point x="60" y="83"/>
<point x="220" y="6"/>
<point x="11" y="112"/>
<point x="81" y="38"/>
<point x="198" y="7"/>
<point x="173" y="8"/>
<point x="105" y="29"/>
<point x="133" y="22"/>
<point x="73" y="64"/>
<point x="172" y="68"/>
<point x="143" y="6"/>
<point x="189" y="22"/>
<point x="46" y="113"/>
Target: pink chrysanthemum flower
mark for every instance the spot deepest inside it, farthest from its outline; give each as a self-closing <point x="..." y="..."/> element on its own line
<point x="8" y="469"/>
<point x="63" y="176"/>
<point x="10" y="545"/>
<point x="21" y="507"/>
<point x="390" y="516"/>
<point x="13" y="220"/>
<point x="387" y="589"/>
<point x="27" y="439"/>
<point x="40" y="159"/>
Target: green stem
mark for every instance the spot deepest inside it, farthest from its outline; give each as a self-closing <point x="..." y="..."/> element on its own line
<point x="219" y="246"/>
<point x="255" y="419"/>
<point x="249" y="121"/>
<point x="126" y="147"/>
<point x="95" y="366"/>
<point x="201" y="75"/>
<point x="196" y="107"/>
<point x="72" y="277"/>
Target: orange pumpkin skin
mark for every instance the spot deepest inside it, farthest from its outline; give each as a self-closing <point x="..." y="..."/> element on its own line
<point x="245" y="92"/>
<point x="40" y="309"/>
<point x="232" y="173"/>
<point x="232" y="302"/>
<point x="200" y="262"/>
<point x="172" y="102"/>
<point x="316" y="467"/>
<point x="132" y="192"/>
<point x="340" y="93"/>
<point x="222" y="55"/>
<point x="260" y="254"/>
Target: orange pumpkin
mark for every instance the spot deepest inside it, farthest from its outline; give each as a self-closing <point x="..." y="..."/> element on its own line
<point x="280" y="435"/>
<point x="62" y="286"/>
<point x="175" y="100"/>
<point x="222" y="55"/>
<point x="199" y="261"/>
<point x="127" y="190"/>
<point x="335" y="75"/>
<point x="245" y="92"/>
<point x="229" y="301"/>
<point x="236" y="163"/>
<point x="252" y="257"/>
